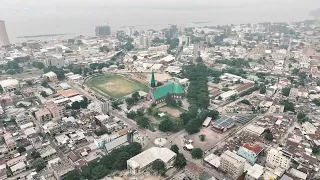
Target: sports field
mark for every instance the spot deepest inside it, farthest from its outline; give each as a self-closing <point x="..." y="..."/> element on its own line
<point x="115" y="85"/>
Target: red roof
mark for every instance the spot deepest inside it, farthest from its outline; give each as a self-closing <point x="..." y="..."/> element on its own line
<point x="255" y="148"/>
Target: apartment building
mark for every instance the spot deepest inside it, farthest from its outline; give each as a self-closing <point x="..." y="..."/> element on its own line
<point x="232" y="164"/>
<point x="23" y="118"/>
<point x="43" y="115"/>
<point x="279" y="158"/>
<point x="56" y="111"/>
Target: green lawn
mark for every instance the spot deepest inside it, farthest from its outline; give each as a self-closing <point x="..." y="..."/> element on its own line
<point x="115" y="85"/>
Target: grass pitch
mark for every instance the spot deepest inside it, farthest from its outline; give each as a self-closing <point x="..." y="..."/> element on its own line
<point x="115" y="86"/>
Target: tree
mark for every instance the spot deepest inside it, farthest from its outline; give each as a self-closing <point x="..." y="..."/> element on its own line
<point x="316" y="150"/>
<point x="130" y="101"/>
<point x="143" y="121"/>
<point x="39" y="164"/>
<point x="38" y="65"/>
<point x="29" y="83"/>
<point x="99" y="172"/>
<point x="288" y="106"/>
<point x="233" y="97"/>
<point x="302" y="75"/>
<point x="131" y="115"/>
<point x="134" y="57"/>
<point x="44" y="83"/>
<point x="263" y="90"/>
<point x="21" y="149"/>
<point x="174" y="148"/>
<point x="192" y="127"/>
<point x="72" y="175"/>
<point x="295" y="71"/>
<point x="35" y="155"/>
<point x="185" y="117"/>
<point x="159" y="83"/>
<point x="268" y="136"/>
<point x="73" y="113"/>
<point x="180" y="103"/>
<point x="76" y="105"/>
<point x="245" y="101"/>
<point x="302" y="117"/>
<point x="180" y="161"/>
<point x="202" y="137"/>
<point x="121" y="66"/>
<point x="158" y="165"/>
<point x="43" y="94"/>
<point x="166" y="125"/>
<point x="170" y="101"/>
<point x="197" y="153"/>
<point x="286" y="91"/>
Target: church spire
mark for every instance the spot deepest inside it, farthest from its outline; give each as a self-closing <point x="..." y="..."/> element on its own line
<point x="153" y="81"/>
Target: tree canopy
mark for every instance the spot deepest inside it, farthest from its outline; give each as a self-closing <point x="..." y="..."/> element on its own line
<point x="197" y="153"/>
<point x="39" y="164"/>
<point x="143" y="121"/>
<point x="158" y="165"/>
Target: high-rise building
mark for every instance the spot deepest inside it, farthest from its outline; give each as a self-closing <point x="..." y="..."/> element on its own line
<point x="103" y="30"/>
<point x="184" y="40"/>
<point x="232" y="164"/>
<point x="173" y="31"/>
<point x="145" y="42"/>
<point x="105" y="107"/>
<point x="279" y="158"/>
<point x="4" y="39"/>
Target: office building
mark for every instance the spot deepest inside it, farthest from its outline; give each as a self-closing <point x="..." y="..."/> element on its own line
<point x="103" y="30"/>
<point x="181" y="29"/>
<point x="184" y="40"/>
<point x="144" y="160"/>
<point x="4" y="39"/>
<point x="232" y="164"/>
<point x="279" y="158"/>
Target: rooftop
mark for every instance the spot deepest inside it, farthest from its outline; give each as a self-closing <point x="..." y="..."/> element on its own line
<point x="9" y="82"/>
<point x="233" y="158"/>
<point x="150" y="155"/>
<point x="256" y="171"/>
<point x="223" y="122"/>
<point x="255" y="148"/>
<point x="168" y="88"/>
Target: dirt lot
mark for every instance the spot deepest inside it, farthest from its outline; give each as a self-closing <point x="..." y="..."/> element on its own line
<point x="173" y="112"/>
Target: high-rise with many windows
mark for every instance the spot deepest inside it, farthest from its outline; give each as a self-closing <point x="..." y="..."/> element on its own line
<point x="103" y="30"/>
<point x="4" y="39"/>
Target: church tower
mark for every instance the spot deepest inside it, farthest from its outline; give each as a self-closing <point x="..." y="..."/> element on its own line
<point x="153" y="80"/>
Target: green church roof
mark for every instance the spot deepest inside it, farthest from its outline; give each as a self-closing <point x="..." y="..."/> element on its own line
<point x="168" y="88"/>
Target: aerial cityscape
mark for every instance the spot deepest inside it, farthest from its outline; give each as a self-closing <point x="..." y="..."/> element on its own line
<point x="226" y="102"/>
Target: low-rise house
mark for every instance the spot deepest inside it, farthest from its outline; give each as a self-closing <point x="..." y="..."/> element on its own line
<point x="48" y="153"/>
<point x="18" y="168"/>
<point x="9" y="85"/>
<point x="50" y="76"/>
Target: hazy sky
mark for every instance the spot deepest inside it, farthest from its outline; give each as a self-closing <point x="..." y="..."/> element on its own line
<point x="32" y="17"/>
